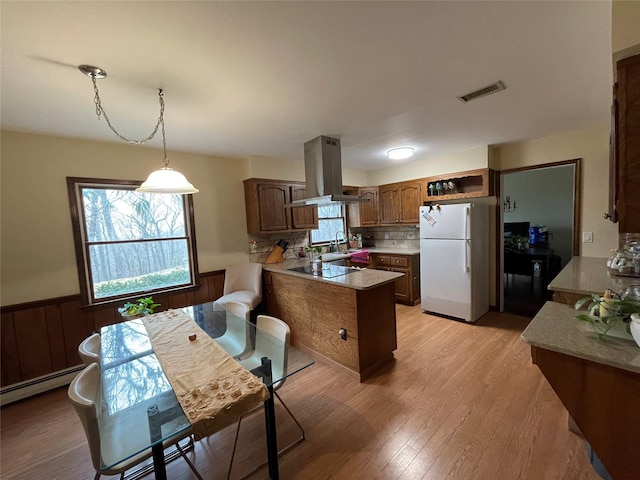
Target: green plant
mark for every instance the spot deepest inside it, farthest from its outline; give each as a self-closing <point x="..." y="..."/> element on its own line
<point x="605" y="312"/>
<point x="314" y="251"/>
<point x="142" y="306"/>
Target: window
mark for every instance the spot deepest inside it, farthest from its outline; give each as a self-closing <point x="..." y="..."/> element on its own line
<point x="130" y="243"/>
<point x="330" y="221"/>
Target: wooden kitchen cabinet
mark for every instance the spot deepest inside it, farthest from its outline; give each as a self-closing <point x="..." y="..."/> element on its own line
<point x="624" y="178"/>
<point x="400" y="203"/>
<point x="365" y="214"/>
<point x="302" y="218"/>
<point x="407" y="288"/>
<point x="265" y="202"/>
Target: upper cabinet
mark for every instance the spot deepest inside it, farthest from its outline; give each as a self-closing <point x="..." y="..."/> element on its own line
<point x="625" y="147"/>
<point x="469" y="184"/>
<point x="265" y="202"/>
<point x="400" y="203"/>
<point x="364" y="214"/>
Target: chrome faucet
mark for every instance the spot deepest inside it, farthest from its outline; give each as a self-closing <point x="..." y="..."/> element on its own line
<point x="338" y="243"/>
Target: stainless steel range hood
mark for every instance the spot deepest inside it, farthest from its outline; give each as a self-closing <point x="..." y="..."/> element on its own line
<point x="323" y="174"/>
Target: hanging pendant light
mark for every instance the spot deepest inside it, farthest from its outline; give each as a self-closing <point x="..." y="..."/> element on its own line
<point x="165" y="180"/>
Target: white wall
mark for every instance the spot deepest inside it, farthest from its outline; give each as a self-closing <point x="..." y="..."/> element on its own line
<point x="38" y="256"/>
<point x="590" y="144"/>
<point x="625" y="24"/>
<point x="427" y="166"/>
<point x="283" y="169"/>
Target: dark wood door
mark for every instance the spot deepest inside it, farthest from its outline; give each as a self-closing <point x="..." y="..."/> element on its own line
<point x="271" y="203"/>
<point x="410" y="202"/>
<point x="628" y="152"/>
<point x="302" y="218"/>
<point x="369" y="211"/>
<point x="389" y="205"/>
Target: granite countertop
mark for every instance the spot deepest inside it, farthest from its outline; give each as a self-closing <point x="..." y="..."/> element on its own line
<point x="361" y="280"/>
<point x="589" y="275"/>
<point x="331" y="256"/>
<point x="555" y="328"/>
<point x="396" y="250"/>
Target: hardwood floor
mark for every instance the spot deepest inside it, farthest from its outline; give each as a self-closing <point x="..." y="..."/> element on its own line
<point x="460" y="401"/>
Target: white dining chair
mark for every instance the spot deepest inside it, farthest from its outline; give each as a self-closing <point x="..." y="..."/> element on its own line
<point x="236" y="339"/>
<point x="83" y="395"/>
<point x="89" y="349"/>
<point x="243" y="284"/>
<point x="277" y="352"/>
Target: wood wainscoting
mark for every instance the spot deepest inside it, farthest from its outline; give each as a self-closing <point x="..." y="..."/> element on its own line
<point x="40" y="339"/>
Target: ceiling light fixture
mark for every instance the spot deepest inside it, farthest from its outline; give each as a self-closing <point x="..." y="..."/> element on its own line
<point x="400" y="153"/>
<point x="165" y="180"/>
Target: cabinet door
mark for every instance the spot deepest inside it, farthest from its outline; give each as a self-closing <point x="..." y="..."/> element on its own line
<point x="402" y="284"/>
<point x="271" y="201"/>
<point x="369" y="211"/>
<point x="628" y="94"/>
<point x="302" y="218"/>
<point x="389" y="206"/>
<point x="410" y="202"/>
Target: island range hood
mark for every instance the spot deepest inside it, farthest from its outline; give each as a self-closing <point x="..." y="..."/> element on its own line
<point x="323" y="174"/>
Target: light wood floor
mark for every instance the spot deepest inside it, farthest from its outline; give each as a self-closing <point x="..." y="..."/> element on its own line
<point x="460" y="402"/>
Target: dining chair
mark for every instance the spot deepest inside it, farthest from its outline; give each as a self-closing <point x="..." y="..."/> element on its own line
<point x="89" y="349"/>
<point x="236" y="340"/>
<point x="242" y="283"/>
<point x="277" y="352"/>
<point x="83" y="395"/>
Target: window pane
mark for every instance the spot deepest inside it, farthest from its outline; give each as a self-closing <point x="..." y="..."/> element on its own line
<point x="330" y="211"/>
<point x="326" y="231"/>
<point x="122" y="268"/>
<point x="112" y="215"/>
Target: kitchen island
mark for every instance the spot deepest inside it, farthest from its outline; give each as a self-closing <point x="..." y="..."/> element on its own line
<point x="597" y="380"/>
<point x="349" y="319"/>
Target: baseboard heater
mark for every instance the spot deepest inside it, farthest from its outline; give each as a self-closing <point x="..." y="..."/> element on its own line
<point x="28" y="388"/>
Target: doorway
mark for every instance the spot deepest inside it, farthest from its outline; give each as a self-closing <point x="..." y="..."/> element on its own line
<point x="539" y="221"/>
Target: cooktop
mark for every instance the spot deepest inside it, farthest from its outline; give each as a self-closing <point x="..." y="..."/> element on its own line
<point x="328" y="270"/>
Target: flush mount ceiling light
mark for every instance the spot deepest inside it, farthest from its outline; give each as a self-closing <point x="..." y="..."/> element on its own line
<point x="400" y="153"/>
<point x="165" y="180"/>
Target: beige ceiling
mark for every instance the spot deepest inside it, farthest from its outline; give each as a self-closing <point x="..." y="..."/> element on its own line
<point x="261" y="78"/>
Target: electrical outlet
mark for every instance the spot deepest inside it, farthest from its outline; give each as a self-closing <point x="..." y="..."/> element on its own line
<point x="587" y="237"/>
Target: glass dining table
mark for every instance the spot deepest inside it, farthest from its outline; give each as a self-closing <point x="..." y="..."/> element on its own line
<point x="138" y="404"/>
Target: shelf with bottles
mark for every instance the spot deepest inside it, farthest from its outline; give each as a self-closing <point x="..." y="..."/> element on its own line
<point x="469" y="184"/>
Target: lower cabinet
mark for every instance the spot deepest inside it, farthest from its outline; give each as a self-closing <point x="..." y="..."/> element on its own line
<point x="408" y="286"/>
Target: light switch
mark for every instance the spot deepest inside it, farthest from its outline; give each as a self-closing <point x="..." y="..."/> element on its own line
<point x="587" y="237"/>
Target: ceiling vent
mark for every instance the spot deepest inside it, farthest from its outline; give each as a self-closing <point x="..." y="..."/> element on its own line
<point x="483" y="92"/>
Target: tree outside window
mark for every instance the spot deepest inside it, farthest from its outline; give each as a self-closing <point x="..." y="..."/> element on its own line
<point x="331" y="219"/>
<point x="130" y="243"/>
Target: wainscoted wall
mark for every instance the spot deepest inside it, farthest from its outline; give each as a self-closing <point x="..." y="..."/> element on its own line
<point x="40" y="339"/>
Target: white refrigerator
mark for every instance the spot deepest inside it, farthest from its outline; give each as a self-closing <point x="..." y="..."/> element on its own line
<point x="454" y="260"/>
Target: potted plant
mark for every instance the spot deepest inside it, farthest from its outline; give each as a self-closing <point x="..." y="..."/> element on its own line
<point x="606" y="313"/>
<point x="315" y="254"/>
<point x="142" y="306"/>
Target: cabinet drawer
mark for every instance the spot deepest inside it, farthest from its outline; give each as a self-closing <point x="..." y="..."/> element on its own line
<point x="399" y="261"/>
<point x="391" y="261"/>
<point x="383" y="260"/>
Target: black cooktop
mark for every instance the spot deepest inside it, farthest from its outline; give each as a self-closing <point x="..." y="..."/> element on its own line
<point x="328" y="270"/>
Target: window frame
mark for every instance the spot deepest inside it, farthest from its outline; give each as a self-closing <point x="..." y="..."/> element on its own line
<point x="83" y="261"/>
<point x="343" y="216"/>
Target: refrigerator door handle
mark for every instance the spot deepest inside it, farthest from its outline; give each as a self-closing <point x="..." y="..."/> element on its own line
<point x="467" y="247"/>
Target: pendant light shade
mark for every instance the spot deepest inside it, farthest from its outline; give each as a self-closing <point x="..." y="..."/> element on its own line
<point x="166" y="180"/>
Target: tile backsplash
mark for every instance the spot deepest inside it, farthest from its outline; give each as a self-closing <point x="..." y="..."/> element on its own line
<point x="383" y="237"/>
<point x="407" y="236"/>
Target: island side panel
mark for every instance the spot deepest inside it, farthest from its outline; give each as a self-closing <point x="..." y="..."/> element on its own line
<point x="603" y="401"/>
<point x="315" y="312"/>
<point x="376" y="327"/>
